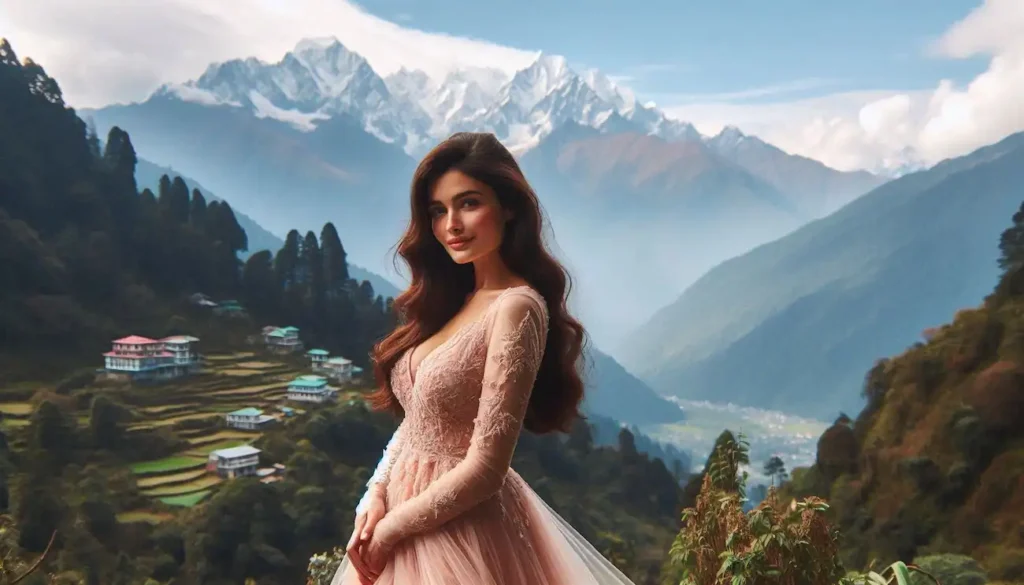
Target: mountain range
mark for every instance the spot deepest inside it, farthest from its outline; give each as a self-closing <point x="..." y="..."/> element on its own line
<point x="642" y="204"/>
<point x="796" y="324"/>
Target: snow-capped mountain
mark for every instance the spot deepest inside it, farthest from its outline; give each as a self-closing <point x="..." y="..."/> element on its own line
<point x="320" y="79"/>
<point x="814" y="187"/>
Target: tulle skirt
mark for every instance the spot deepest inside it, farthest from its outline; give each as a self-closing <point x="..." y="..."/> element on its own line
<point x="514" y="538"/>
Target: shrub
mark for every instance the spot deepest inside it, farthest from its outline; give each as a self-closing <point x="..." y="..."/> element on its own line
<point x="1006" y="565"/>
<point x="75" y="381"/>
<point x="950" y="569"/>
<point x="322" y="567"/>
<point x="837" y="451"/>
<point x="770" y="545"/>
<point x="958" y="482"/>
<point x="923" y="471"/>
<point x="719" y="544"/>
<point x="997" y="395"/>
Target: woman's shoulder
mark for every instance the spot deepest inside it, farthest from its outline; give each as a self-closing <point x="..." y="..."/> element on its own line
<point x="521" y="300"/>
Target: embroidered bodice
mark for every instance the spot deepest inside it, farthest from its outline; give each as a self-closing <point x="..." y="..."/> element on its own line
<point x="464" y="406"/>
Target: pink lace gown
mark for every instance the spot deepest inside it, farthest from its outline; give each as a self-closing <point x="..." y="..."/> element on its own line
<point x="467" y="517"/>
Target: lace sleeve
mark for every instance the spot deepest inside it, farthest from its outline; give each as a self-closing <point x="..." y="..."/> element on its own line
<point x="515" y="348"/>
<point x="378" y="481"/>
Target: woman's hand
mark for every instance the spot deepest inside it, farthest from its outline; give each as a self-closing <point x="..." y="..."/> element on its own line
<point x="365" y="525"/>
<point x="377" y="552"/>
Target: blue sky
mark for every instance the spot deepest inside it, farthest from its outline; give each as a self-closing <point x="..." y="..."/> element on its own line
<point x="674" y="51"/>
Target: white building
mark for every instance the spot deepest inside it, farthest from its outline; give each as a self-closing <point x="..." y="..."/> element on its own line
<point x="339" y="369"/>
<point x="282" y="339"/>
<point x="234" y="462"/>
<point x="141" y="358"/>
<point x="249" y="419"/>
<point x="310" y="389"/>
<point x="317" y="358"/>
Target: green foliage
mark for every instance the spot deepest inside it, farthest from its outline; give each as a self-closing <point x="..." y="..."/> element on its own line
<point x="932" y="464"/>
<point x="1011" y="243"/>
<point x="1007" y="564"/>
<point x="727" y="456"/>
<point x="949" y="569"/>
<point x="323" y="566"/>
<point x="720" y="544"/>
<point x="898" y="573"/>
<point x="775" y="467"/>
<point x="770" y="545"/>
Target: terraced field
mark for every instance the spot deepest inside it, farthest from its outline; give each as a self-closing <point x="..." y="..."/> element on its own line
<point x="165" y="479"/>
<point x="199" y="484"/>
<point x="147" y="516"/>
<point x="193" y="409"/>
<point x="168" y="465"/>
<point x="186" y="501"/>
<point x="228" y="383"/>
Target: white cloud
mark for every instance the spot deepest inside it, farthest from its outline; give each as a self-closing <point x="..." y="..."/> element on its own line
<point x="885" y="128"/>
<point x="103" y="51"/>
<point x="797" y="85"/>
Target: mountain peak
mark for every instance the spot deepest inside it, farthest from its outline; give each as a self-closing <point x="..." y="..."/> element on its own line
<point x="316" y="44"/>
<point x="730" y="132"/>
<point x="554" y="65"/>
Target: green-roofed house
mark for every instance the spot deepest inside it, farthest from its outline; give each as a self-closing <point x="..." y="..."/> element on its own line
<point x="229" y="308"/>
<point x="311" y="388"/>
<point x="317" y="357"/>
<point x="282" y="339"/>
<point x="249" y="419"/>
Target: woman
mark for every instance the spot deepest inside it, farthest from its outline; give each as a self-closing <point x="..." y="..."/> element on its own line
<point x="486" y="348"/>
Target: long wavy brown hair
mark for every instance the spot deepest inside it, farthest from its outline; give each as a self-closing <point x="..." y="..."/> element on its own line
<point x="439" y="286"/>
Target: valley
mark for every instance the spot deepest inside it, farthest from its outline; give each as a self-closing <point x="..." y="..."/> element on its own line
<point x="770" y="433"/>
<point x="794" y="324"/>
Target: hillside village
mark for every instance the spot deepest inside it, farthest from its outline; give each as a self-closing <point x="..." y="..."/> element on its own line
<point x="218" y="403"/>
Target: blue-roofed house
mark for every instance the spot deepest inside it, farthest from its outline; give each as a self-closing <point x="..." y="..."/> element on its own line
<point x="311" y="389"/>
<point x="249" y="419"/>
<point x="317" y="357"/>
<point x="282" y="339"/>
<point x="229" y="308"/>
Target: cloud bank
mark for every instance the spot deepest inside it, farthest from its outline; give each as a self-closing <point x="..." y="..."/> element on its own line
<point x="885" y="129"/>
<point x="106" y="51"/>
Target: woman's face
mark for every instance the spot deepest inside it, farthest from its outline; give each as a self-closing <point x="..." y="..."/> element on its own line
<point x="466" y="217"/>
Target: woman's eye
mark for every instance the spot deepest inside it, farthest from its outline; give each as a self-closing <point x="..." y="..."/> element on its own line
<point x="436" y="211"/>
<point x="470" y="203"/>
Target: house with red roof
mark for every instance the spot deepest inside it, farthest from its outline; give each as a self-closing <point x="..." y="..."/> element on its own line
<point x="141" y="358"/>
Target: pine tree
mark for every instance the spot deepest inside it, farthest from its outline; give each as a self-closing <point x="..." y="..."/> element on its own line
<point x="334" y="261"/>
<point x="197" y="210"/>
<point x="286" y="262"/>
<point x="178" y="201"/>
<point x="119" y="157"/>
<point x="1011" y="244"/>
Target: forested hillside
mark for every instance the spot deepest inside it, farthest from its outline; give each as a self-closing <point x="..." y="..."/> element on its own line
<point x="85" y="258"/>
<point x="934" y="462"/>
